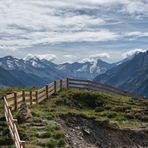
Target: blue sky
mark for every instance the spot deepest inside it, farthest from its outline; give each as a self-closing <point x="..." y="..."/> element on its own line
<point x="73" y="30"/>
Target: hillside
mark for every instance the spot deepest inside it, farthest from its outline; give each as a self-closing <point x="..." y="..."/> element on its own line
<point x="131" y="75"/>
<point x="20" y="79"/>
<point x="81" y="118"/>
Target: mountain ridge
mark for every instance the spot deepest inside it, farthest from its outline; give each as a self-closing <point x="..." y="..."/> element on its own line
<point x="42" y="70"/>
<point x="130" y="75"/>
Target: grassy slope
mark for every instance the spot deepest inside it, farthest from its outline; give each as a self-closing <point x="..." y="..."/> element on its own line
<point x="97" y="104"/>
<point x="120" y="111"/>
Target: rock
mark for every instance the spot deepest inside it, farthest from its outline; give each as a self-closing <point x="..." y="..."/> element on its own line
<point x="78" y="128"/>
<point x="23" y="112"/>
<point x="86" y="130"/>
<point x="41" y="134"/>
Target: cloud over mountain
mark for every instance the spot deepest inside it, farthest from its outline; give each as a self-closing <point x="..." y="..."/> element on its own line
<point x="107" y="24"/>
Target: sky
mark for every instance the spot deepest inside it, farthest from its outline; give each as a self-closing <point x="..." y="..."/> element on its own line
<point x="73" y="30"/>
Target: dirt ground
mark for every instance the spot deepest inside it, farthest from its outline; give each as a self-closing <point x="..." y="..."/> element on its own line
<point x="83" y="132"/>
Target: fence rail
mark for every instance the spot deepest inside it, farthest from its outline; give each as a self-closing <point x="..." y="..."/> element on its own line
<point x="12" y="124"/>
<point x="14" y="100"/>
<point x="87" y="84"/>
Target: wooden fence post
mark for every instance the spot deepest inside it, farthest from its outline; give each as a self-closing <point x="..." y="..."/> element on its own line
<point x="8" y="115"/>
<point x="22" y="144"/>
<point x="88" y="85"/>
<point x="23" y="95"/>
<point x="15" y="100"/>
<point x="36" y="95"/>
<point x="47" y="91"/>
<point x="55" y="86"/>
<point x="67" y="83"/>
<point x="14" y="121"/>
<point x="30" y="97"/>
<point x="61" y="84"/>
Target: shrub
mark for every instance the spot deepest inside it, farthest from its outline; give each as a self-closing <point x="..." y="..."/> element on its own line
<point x="99" y="109"/>
<point x="61" y="142"/>
<point x="120" y="117"/>
<point x="52" y="143"/>
<point x="82" y="99"/>
<point x="109" y="114"/>
<point x="58" y="134"/>
<point x="121" y="108"/>
<point x="144" y="118"/>
<point x="130" y="115"/>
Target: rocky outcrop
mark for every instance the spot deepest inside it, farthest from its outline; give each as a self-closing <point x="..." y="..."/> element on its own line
<point x="83" y="132"/>
<point x="23" y="112"/>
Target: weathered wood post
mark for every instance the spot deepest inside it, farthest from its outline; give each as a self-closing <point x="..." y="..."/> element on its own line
<point x="67" y="83"/>
<point x="15" y="100"/>
<point x="47" y="91"/>
<point x="61" y="84"/>
<point x="36" y="96"/>
<point x="8" y="114"/>
<point x="30" y="94"/>
<point x="55" y="86"/>
<point x="88" y="85"/>
<point x="23" y="95"/>
<point x="22" y="144"/>
<point x="14" y="122"/>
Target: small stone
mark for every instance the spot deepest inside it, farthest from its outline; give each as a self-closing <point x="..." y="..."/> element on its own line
<point x="86" y="130"/>
<point x="78" y="127"/>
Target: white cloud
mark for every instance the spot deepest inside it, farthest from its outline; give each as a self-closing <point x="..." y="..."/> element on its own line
<point x="136" y="7"/>
<point x="137" y="34"/>
<point x="100" y="55"/>
<point x="132" y="52"/>
<point x="29" y="23"/>
<point x="49" y="57"/>
<point x="97" y="56"/>
<point x="68" y="56"/>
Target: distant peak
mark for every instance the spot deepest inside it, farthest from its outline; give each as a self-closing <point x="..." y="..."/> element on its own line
<point x="9" y="57"/>
<point x="99" y="60"/>
<point x="31" y="57"/>
<point x="92" y="60"/>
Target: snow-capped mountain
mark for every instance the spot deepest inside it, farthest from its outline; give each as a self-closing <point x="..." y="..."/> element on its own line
<point x="86" y="70"/>
<point x="46" y="71"/>
<point x="34" y="65"/>
<point x="43" y="69"/>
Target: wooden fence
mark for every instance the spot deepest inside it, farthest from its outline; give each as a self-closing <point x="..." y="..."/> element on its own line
<point x="90" y="85"/>
<point x="12" y="124"/>
<point x="33" y="97"/>
<point x="14" y="100"/>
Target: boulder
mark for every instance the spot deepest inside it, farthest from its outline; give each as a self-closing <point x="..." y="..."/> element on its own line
<point x="23" y="112"/>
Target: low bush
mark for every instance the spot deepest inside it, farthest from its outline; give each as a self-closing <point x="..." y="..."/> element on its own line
<point x="121" y="108"/>
<point x="82" y="99"/>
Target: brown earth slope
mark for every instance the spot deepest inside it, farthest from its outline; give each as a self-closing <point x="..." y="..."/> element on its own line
<point x="83" y="132"/>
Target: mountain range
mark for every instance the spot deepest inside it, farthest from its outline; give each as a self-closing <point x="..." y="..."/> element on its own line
<point x="131" y="75"/>
<point x="32" y="71"/>
<point x="86" y="70"/>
